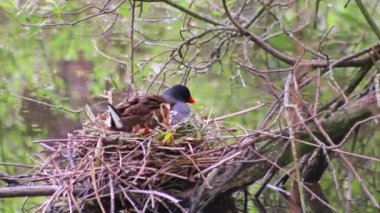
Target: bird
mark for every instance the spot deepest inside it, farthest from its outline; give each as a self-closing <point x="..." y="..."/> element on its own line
<point x="178" y="96"/>
<point x="151" y="111"/>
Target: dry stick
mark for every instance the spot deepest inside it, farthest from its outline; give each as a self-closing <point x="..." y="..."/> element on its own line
<point x="347" y="184"/>
<point x="197" y="168"/>
<point x="264" y="76"/>
<point x="347" y="192"/>
<point x="290" y="120"/>
<point x="157" y="193"/>
<point x="161" y="70"/>
<point x="185" y="25"/>
<point x="42" y="25"/>
<point x="248" y="61"/>
<point x="290" y="34"/>
<point x="129" y="199"/>
<point x="222" y="161"/>
<point x="144" y="160"/>
<point x="368" y="18"/>
<point x="257" y="16"/>
<point x="51" y="15"/>
<point x="30" y="191"/>
<point x="52" y="140"/>
<point x="146" y="203"/>
<point x="69" y="201"/>
<point x="354" y="82"/>
<point x="334" y="147"/>
<point x="317" y="94"/>
<point x="315" y="110"/>
<point x="114" y="174"/>
<point x="377" y="89"/>
<point x="330" y="69"/>
<point x="241" y="112"/>
<point x="357" y="155"/>
<point x="320" y="128"/>
<point x="295" y="179"/>
<point x="55" y="195"/>
<point x="347" y="162"/>
<point x="334" y="176"/>
<point x="94" y="185"/>
<point x="369" y="60"/>
<point x="108" y="28"/>
<point x="105" y="55"/>
<point x="68" y="186"/>
<point x="17" y="165"/>
<point x="152" y="199"/>
<point x="187" y="11"/>
<point x="71" y="195"/>
<point x="246" y="58"/>
<point x="47" y="104"/>
<point x="357" y="124"/>
<point x="336" y="150"/>
<point x="290" y="60"/>
<point x="133" y="3"/>
<point x="277" y="105"/>
<point x="100" y="12"/>
<point x="352" y="129"/>
<point x="335" y="83"/>
<point x="112" y="193"/>
<point x="258" y="40"/>
<point x="324" y="146"/>
<point x="162" y="171"/>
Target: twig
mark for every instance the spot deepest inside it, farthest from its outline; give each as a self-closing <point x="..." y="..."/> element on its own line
<point x="105" y="55"/>
<point x="112" y="194"/>
<point x="30" y="191"/>
<point x="133" y="8"/>
<point x="94" y="185"/>
<point x="187" y="11"/>
<point x="368" y="18"/>
<point x="241" y="112"/>
<point x="47" y="104"/>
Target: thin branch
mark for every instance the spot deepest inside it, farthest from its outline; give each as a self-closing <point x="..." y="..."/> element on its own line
<point x="187" y="11"/>
<point x="368" y="18"/>
<point x="60" y="107"/>
<point x="241" y="112"/>
<point x="30" y="191"/>
<point x="344" y="61"/>
<point x="133" y="7"/>
<point x="102" y="12"/>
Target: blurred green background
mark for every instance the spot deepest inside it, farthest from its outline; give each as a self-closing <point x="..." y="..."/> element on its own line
<point x="39" y="57"/>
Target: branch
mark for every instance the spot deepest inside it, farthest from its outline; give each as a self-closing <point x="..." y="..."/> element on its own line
<point x="187" y="11"/>
<point x="100" y="13"/>
<point x="347" y="61"/>
<point x="231" y="177"/>
<point x="30" y="191"/>
<point x="368" y="18"/>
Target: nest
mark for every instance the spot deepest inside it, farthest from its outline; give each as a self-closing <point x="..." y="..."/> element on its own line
<point x="109" y="170"/>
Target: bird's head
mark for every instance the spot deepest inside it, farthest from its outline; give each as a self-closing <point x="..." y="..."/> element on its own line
<point x="179" y="93"/>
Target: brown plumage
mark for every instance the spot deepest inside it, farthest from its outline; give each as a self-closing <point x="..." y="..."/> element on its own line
<point x="142" y="112"/>
<point x="149" y="112"/>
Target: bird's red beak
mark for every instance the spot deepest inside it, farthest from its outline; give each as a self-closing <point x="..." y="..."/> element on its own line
<point x="191" y="100"/>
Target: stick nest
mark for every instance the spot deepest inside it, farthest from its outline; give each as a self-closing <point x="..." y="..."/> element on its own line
<point x="112" y="170"/>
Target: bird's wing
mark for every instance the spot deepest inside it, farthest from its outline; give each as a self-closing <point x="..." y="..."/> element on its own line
<point x="141" y="110"/>
<point x="141" y="106"/>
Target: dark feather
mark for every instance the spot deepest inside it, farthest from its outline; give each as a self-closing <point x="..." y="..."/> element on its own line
<point x="142" y="112"/>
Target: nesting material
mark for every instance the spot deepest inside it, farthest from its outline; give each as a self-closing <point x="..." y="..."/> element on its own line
<point x="113" y="170"/>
